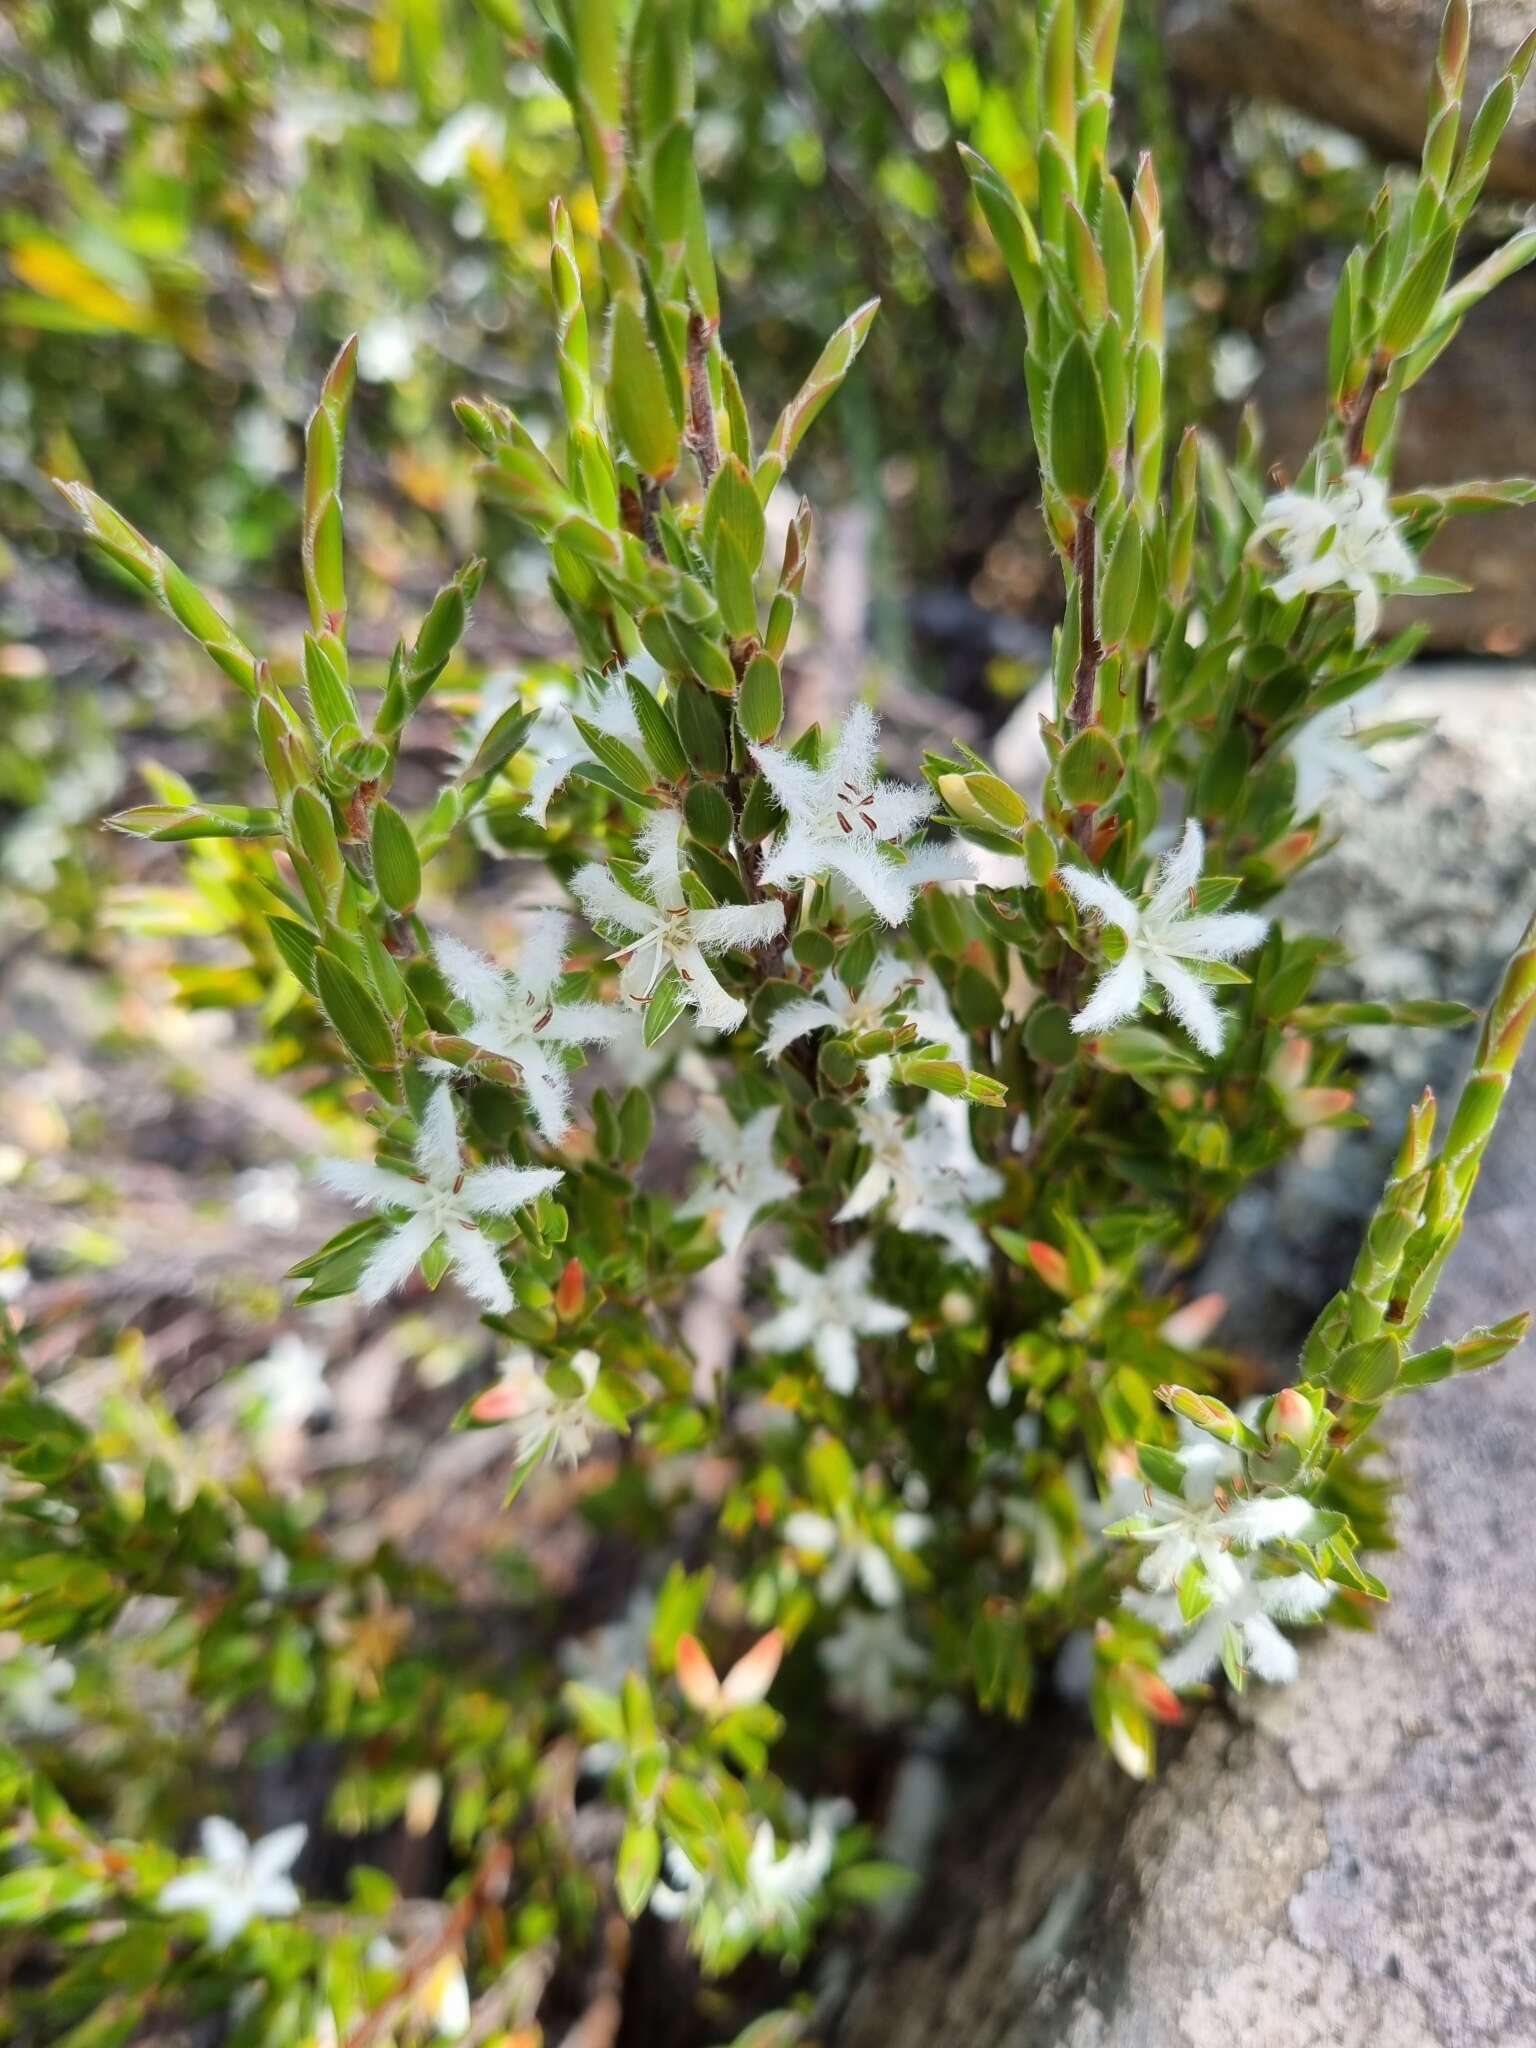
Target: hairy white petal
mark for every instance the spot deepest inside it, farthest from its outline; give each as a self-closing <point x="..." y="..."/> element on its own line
<point x="1116" y="997"/>
<point x="478" y="1268"/>
<point x="607" y="903"/>
<point x="498" y="1190"/>
<point x="394" y="1259"/>
<point x="1092" y="891"/>
<point x="370" y="1186"/>
<point x="1191" y="1002"/>
<point x="437" y="1139"/>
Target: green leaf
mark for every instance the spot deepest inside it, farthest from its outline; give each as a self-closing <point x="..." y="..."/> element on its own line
<point x="169" y="823"/>
<point x="831" y="367"/>
<point x="733" y="586"/>
<point x="639" y="1866"/>
<point x="1077" y="438"/>
<point x="396" y="863"/>
<point x="658" y="732"/>
<point x="701" y="728"/>
<point x="760" y="701"/>
<point x="709" y="816"/>
<point x="734" y="507"/>
<point x="1417" y="296"/>
<point x="666" y="1005"/>
<point x="620" y="760"/>
<point x="1090" y="769"/>
<point x="637" y="394"/>
<point x="354" y="1012"/>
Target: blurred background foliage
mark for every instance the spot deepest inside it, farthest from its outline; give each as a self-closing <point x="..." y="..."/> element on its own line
<point x="198" y="201"/>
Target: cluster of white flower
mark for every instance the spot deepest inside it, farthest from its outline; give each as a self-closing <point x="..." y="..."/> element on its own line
<point x="551" y="1418"/>
<point x="1203" y="1580"/>
<point x="1341" y="538"/>
<point x="841" y="1550"/>
<point x="780" y="1888"/>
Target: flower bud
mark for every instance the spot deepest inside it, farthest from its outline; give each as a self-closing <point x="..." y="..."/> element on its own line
<point x="1290" y="1419"/>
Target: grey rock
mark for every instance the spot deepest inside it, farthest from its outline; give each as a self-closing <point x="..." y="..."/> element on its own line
<point x="1361" y="65"/>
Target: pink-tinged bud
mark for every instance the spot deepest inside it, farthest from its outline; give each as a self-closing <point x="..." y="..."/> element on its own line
<point x="750" y="1676"/>
<point x="499" y="1403"/>
<point x="1290" y="1419"/>
<point x="1154" y="1694"/>
<point x="1188" y="1327"/>
<point x="571" y="1291"/>
<point x="1050" y="1265"/>
<point x="696" y="1679"/>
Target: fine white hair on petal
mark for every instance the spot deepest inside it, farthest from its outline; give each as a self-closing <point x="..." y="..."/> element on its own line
<point x="900" y="807"/>
<point x="717" y="1009"/>
<point x="479" y="1269"/>
<point x="660" y="857"/>
<point x="1267" y="1518"/>
<point x="394" y="1259"/>
<point x="607" y="903"/>
<point x="1179" y="872"/>
<point x="548" y="1088"/>
<point x="1191" y="1003"/>
<point x="1293" y="1597"/>
<point x="1221" y="937"/>
<point x="542" y="958"/>
<point x="1116" y="998"/>
<point x="498" y="1190"/>
<point x="737" y="924"/>
<point x="473" y="979"/>
<point x="938" y="860"/>
<point x="797" y="1019"/>
<point x="437" y="1139"/>
<point x="853" y="757"/>
<point x="1198" y="1657"/>
<point x="372" y="1185"/>
<point x="1093" y="891"/>
<point x="1269" y="1655"/>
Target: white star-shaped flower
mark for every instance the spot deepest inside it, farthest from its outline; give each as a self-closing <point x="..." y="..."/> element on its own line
<point x="548" y="1421"/>
<point x="668" y="931"/>
<point x="519" y="1017"/>
<point x="741" y="1175"/>
<point x="833" y="1006"/>
<point x="441" y="1200"/>
<point x="240" y="1880"/>
<point x="1210" y="1532"/>
<point x="928" y="1172"/>
<point x="780" y="1889"/>
<point x="1328" y="749"/>
<point x="1161" y="934"/>
<point x="840" y="817"/>
<point x="873" y="1667"/>
<point x="1342" y="539"/>
<point x="827" y="1312"/>
<point x="843" y="1550"/>
<point x="1250" y="1614"/>
<point x="555" y="743"/>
